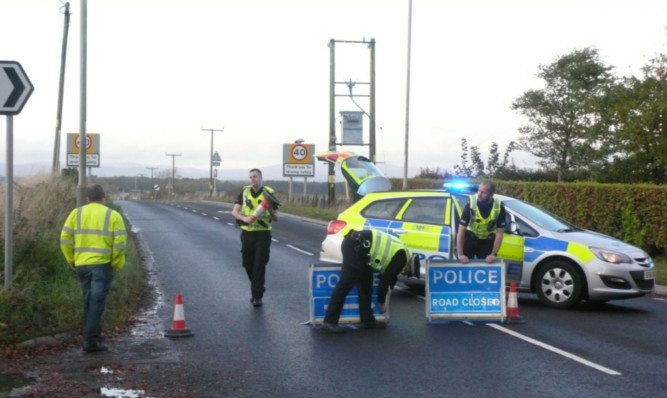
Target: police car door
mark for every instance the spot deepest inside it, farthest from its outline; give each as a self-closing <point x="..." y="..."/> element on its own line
<point x="425" y="227"/>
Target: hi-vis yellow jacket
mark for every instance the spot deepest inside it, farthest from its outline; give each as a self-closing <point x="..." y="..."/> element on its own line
<point x="383" y="248"/>
<point x="250" y="204"/>
<point x="94" y="234"/>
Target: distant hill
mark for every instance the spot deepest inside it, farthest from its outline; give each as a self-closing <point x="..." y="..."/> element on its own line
<point x="273" y="172"/>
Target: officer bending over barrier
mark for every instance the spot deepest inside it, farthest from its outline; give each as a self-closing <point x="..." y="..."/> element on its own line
<point x="363" y="253"/>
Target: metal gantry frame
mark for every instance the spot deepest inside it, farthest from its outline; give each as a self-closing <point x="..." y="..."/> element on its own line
<point x="332" y="106"/>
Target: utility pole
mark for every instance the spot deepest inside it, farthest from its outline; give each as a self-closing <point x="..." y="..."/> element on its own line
<point x="407" y="100"/>
<point x="210" y="161"/>
<point x="152" y="187"/>
<point x="173" y="170"/>
<point x="81" y="198"/>
<point x="56" y="147"/>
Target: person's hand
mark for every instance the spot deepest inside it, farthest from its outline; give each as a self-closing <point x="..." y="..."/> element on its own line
<point x="490" y="258"/>
<point x="72" y="267"/>
<point x="464" y="259"/>
<point x="382" y="308"/>
<point x="249" y="219"/>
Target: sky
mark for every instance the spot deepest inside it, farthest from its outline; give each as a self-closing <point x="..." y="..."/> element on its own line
<point x="161" y="73"/>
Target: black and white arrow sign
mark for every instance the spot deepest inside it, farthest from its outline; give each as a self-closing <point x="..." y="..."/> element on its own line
<point x="15" y="88"/>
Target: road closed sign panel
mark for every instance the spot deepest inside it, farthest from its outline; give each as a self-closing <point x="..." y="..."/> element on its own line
<point x="473" y="291"/>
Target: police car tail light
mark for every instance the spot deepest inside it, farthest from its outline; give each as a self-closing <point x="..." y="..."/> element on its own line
<point x="335" y="226"/>
<point x="610" y="256"/>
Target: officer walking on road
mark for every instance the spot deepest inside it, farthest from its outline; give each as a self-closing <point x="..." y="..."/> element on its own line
<point x="482" y="224"/>
<point x="93" y="241"/>
<point x="255" y="232"/>
<point x="363" y="253"/>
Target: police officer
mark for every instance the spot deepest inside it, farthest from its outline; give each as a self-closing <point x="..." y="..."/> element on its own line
<point x="93" y="241"/>
<point x="256" y="228"/>
<point x="482" y="225"/>
<point x="363" y="253"/>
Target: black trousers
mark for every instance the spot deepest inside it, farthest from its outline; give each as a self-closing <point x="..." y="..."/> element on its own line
<point x="474" y="247"/>
<point x="255" y="249"/>
<point x="355" y="271"/>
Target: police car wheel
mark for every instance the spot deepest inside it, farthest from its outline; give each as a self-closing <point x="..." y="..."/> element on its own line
<point x="559" y="285"/>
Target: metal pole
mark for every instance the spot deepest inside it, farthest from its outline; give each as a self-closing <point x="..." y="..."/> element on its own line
<point x="63" y="57"/>
<point x="407" y="101"/>
<point x="173" y="170"/>
<point x="371" y="140"/>
<point x="152" y="188"/>
<point x="210" y="181"/>
<point x="332" y="120"/>
<point x="81" y="197"/>
<point x="9" y="207"/>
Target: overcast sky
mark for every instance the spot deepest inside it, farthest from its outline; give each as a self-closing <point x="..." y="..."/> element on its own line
<point x="160" y="71"/>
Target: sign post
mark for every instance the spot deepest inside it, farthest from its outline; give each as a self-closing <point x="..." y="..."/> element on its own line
<point x="298" y="161"/>
<point x="15" y="89"/>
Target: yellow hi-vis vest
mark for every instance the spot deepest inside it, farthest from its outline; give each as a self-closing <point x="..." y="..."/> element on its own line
<point x="483" y="228"/>
<point x="94" y="234"/>
<point x="383" y="248"/>
<point x="250" y="204"/>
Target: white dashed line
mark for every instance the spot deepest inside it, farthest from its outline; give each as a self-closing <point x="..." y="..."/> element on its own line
<point x="555" y="350"/>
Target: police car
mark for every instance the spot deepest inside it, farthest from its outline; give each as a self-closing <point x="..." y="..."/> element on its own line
<point x="544" y="254"/>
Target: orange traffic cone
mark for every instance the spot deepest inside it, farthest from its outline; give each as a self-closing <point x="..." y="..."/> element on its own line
<point x="513" y="306"/>
<point x="178" y="329"/>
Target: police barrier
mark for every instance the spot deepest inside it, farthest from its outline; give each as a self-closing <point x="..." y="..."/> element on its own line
<point x="473" y="291"/>
<point x="322" y="278"/>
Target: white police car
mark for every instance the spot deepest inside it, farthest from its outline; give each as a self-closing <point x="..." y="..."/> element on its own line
<point x="546" y="255"/>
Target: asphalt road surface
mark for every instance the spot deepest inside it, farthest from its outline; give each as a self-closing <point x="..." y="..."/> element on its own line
<point x="607" y="350"/>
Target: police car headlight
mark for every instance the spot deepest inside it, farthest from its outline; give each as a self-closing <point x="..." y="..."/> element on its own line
<point x="610" y="256"/>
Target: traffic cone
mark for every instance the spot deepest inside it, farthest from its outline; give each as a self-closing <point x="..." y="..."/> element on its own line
<point x="178" y="328"/>
<point x="513" y="306"/>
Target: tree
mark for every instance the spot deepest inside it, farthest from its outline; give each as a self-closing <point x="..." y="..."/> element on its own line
<point x="640" y="113"/>
<point x="477" y="169"/>
<point x="566" y="129"/>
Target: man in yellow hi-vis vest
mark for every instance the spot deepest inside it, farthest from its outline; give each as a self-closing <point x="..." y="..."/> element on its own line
<point x="482" y="224"/>
<point x="255" y="214"/>
<point x="365" y="252"/>
<point x="93" y="241"/>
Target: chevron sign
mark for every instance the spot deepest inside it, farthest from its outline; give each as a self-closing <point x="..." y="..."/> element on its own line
<point x="15" y="88"/>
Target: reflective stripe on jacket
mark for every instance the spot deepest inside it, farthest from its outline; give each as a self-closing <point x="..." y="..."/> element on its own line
<point x="94" y="234"/>
<point x="483" y="228"/>
<point x="383" y="248"/>
<point x="250" y="204"/>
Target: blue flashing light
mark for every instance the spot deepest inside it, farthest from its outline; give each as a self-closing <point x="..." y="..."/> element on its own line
<point x="457" y="185"/>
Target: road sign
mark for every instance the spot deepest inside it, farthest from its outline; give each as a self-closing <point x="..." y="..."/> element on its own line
<point x="15" y="88"/>
<point x="92" y="143"/>
<point x="473" y="292"/>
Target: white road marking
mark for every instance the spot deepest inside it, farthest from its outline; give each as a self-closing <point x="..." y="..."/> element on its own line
<point x="299" y="250"/>
<point x="216" y="218"/>
<point x="555" y="350"/>
<point x="531" y="340"/>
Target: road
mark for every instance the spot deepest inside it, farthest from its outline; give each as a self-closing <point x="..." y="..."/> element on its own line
<point x="192" y="248"/>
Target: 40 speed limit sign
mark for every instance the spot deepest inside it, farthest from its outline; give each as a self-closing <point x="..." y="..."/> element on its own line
<point x="299" y="154"/>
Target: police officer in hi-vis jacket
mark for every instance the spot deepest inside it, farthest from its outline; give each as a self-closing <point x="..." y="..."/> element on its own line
<point x="256" y="224"/>
<point x="366" y="252"/>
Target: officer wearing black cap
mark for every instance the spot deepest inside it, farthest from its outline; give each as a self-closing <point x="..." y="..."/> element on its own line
<point x="365" y="252"/>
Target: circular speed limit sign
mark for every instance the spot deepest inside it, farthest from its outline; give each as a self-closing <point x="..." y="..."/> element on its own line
<point x="299" y="153"/>
<point x="89" y="142"/>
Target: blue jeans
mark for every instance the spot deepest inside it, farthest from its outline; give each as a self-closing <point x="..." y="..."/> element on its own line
<point x="95" y="283"/>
